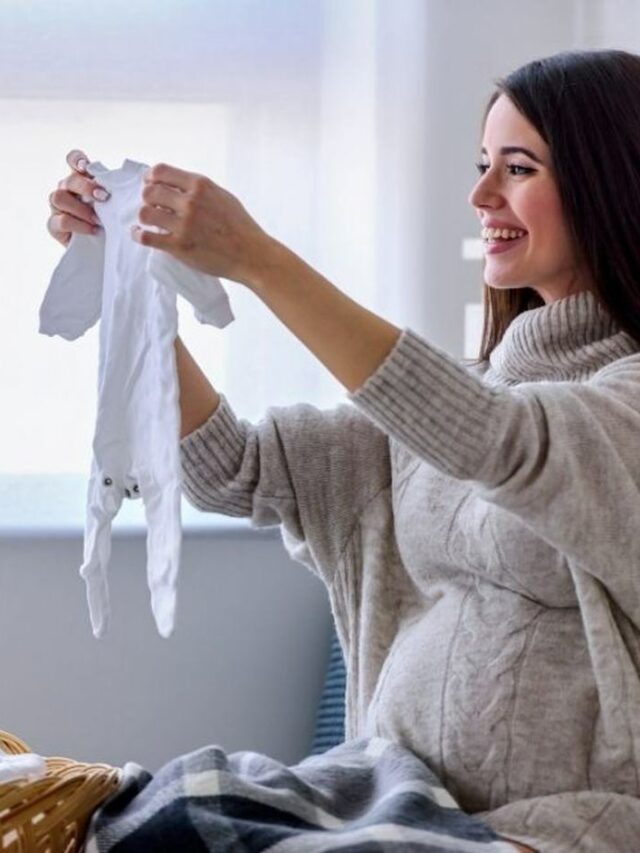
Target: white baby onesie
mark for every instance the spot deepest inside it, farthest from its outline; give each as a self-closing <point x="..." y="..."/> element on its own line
<point x="24" y="765"/>
<point x="136" y="445"/>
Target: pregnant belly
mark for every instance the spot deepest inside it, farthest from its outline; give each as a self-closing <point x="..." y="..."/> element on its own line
<point x="461" y="688"/>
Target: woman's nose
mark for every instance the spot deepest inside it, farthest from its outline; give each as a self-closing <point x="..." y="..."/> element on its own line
<point x="483" y="192"/>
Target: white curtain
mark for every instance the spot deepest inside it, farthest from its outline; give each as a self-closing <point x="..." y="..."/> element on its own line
<point x="321" y="102"/>
<point x="335" y="170"/>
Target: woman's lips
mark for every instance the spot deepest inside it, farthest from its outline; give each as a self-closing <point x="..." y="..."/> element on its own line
<point x="503" y="245"/>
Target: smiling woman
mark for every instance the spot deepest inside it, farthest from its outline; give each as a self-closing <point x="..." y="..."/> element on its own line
<point x="474" y="526"/>
<point x="561" y="142"/>
<point x="512" y="199"/>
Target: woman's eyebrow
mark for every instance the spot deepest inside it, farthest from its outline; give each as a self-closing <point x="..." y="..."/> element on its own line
<point x="514" y="149"/>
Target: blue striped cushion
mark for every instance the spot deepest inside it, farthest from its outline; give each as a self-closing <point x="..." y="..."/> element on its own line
<point x="330" y="717"/>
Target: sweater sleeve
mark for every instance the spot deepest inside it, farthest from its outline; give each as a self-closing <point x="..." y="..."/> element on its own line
<point x="307" y="469"/>
<point x="562" y="456"/>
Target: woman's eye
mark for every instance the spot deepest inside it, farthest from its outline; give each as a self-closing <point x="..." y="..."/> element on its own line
<point x="482" y="167"/>
<point x="524" y="170"/>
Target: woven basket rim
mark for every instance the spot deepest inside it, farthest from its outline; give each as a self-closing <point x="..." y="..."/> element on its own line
<point x="53" y="812"/>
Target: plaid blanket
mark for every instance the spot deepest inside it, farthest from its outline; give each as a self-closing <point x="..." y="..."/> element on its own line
<point x="367" y="794"/>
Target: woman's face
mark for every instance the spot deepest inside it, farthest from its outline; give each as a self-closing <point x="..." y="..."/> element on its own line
<point x="518" y="190"/>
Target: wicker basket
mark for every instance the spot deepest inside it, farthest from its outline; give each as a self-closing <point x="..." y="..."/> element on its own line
<point x="51" y="815"/>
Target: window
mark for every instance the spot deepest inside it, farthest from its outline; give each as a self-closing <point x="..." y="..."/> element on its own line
<point x="49" y="384"/>
<point x="276" y="102"/>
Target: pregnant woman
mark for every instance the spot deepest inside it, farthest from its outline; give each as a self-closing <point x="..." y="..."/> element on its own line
<point x="477" y="525"/>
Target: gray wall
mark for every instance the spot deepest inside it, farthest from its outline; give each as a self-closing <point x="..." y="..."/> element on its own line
<point x="243" y="669"/>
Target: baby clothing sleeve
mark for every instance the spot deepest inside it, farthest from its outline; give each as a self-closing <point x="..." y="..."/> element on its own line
<point x="73" y="300"/>
<point x="132" y="289"/>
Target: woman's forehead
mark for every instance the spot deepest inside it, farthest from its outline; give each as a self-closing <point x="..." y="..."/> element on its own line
<point x="506" y="126"/>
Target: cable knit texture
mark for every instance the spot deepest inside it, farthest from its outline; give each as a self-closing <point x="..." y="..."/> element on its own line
<point x="478" y="530"/>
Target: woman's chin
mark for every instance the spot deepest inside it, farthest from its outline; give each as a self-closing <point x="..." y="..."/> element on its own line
<point x="504" y="282"/>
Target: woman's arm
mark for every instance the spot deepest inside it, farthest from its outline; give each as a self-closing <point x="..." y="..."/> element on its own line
<point x="198" y="398"/>
<point x="348" y="339"/>
<point x="207" y="228"/>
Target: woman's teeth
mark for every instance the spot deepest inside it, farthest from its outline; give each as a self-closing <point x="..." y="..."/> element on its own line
<point x="501" y="234"/>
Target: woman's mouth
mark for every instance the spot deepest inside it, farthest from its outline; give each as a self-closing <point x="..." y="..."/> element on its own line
<point x="493" y="247"/>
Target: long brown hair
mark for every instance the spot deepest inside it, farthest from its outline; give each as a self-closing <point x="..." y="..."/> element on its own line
<point x="586" y="107"/>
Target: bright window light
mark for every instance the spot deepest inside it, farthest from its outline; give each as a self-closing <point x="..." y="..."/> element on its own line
<point x="49" y="384"/>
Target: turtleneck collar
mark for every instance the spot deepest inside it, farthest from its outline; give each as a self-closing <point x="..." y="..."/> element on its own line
<point x="568" y="339"/>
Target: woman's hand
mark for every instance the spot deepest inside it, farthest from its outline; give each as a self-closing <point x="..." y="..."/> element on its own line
<point x="205" y="226"/>
<point x="72" y="202"/>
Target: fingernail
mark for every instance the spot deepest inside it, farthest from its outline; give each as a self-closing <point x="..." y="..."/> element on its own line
<point x="101" y="195"/>
<point x="82" y="163"/>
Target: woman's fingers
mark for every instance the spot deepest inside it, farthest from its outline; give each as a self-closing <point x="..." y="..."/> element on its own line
<point x="80" y="181"/>
<point x="70" y="215"/>
<point x="84" y="186"/>
<point x="64" y="201"/>
<point x="157" y="216"/>
<point x="78" y="160"/>
<point x="161" y="195"/>
<point x="177" y="178"/>
<point x="62" y="225"/>
<point x="72" y="202"/>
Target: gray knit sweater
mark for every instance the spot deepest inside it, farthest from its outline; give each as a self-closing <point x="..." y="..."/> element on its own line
<point x="478" y="530"/>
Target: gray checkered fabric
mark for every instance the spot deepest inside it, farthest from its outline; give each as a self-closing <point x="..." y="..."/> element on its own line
<point x="367" y="794"/>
